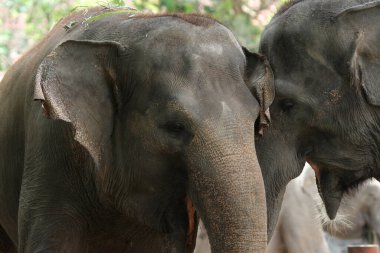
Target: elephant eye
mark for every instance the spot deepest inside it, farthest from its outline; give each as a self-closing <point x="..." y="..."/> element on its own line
<point x="178" y="130"/>
<point x="286" y="105"/>
<point x="174" y="127"/>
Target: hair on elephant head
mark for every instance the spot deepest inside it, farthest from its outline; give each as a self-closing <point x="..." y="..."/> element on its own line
<point x="153" y="127"/>
<point x="325" y="58"/>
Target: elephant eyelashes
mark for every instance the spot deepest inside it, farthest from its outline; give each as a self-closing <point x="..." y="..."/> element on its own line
<point x="174" y="127"/>
<point x="286" y="105"/>
<point x="178" y="130"/>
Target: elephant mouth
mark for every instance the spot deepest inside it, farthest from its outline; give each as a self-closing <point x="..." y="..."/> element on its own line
<point x="332" y="184"/>
<point x="329" y="188"/>
<point x="315" y="168"/>
<point x="350" y="176"/>
<point x="191" y="232"/>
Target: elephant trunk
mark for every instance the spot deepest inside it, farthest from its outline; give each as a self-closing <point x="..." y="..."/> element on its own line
<point x="279" y="164"/>
<point x="228" y="192"/>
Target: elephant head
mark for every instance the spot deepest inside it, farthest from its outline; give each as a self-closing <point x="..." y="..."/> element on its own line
<point x="161" y="105"/>
<point x="325" y="59"/>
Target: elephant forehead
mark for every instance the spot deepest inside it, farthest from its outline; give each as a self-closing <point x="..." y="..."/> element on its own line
<point x="170" y="45"/>
<point x="195" y="69"/>
<point x="210" y="53"/>
<point x="202" y="83"/>
<point x="213" y="48"/>
<point x="202" y="101"/>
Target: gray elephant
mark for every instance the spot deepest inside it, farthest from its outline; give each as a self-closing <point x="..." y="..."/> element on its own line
<point x="325" y="57"/>
<point x="146" y="124"/>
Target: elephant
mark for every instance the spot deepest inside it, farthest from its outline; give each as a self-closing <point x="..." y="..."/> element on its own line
<point x="119" y="130"/>
<point x="325" y="59"/>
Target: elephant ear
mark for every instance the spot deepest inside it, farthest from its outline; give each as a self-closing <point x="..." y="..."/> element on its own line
<point x="76" y="83"/>
<point x="365" y="60"/>
<point x="260" y="80"/>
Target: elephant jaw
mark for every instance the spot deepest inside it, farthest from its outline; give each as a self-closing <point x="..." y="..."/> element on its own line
<point x="329" y="189"/>
<point x="191" y="217"/>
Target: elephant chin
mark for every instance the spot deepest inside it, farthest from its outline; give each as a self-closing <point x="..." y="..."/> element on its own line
<point x="328" y="187"/>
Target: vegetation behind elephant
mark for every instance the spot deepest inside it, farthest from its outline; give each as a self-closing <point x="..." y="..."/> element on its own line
<point x="142" y="117"/>
<point x="303" y="219"/>
<point x="325" y="58"/>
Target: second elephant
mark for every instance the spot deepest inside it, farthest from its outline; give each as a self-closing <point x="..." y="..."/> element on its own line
<point x="325" y="57"/>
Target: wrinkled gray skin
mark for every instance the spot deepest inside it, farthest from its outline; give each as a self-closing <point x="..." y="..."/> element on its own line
<point x="325" y="57"/>
<point x="139" y="116"/>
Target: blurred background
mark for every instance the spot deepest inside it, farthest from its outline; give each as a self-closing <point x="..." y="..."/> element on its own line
<point x="24" y="22"/>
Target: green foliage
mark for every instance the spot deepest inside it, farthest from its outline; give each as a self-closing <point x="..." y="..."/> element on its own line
<point x="240" y="23"/>
<point x="4" y="50"/>
<point x="100" y="16"/>
<point x="38" y="16"/>
<point x="222" y="10"/>
<point x="118" y="2"/>
<point x="151" y="5"/>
